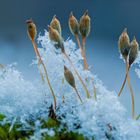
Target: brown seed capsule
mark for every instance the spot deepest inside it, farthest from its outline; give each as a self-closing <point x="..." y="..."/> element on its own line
<point x="56" y="37"/>
<point x="55" y="24"/>
<point x="84" y="25"/>
<point x="133" y="51"/>
<point x="73" y="24"/>
<point x="69" y="77"/>
<point x="124" y="44"/>
<point x="31" y="29"/>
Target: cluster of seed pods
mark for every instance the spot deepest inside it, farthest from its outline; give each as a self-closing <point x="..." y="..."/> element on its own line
<point x="55" y="35"/>
<point x="129" y="51"/>
<point x="82" y="27"/>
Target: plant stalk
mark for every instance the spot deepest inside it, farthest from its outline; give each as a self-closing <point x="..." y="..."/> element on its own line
<point x="84" y="53"/>
<point x="131" y="91"/>
<point x="87" y="92"/>
<point x="78" y="94"/>
<point x="45" y="70"/>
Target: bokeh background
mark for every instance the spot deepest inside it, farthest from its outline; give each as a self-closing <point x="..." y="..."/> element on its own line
<point x="108" y="18"/>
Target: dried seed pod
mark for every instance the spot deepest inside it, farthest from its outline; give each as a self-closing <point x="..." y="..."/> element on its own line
<point x="73" y="24"/>
<point x="31" y="29"/>
<point x="133" y="51"/>
<point x="84" y="25"/>
<point x="69" y="77"/>
<point x="124" y="44"/>
<point x="56" y="37"/>
<point x="55" y="24"/>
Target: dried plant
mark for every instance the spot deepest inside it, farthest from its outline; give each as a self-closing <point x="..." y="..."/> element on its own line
<point x="129" y="52"/>
<point x="55" y="24"/>
<point x="55" y="37"/>
<point x="70" y="79"/>
<point x="74" y="28"/>
<point x="31" y="30"/>
<point x="84" y="27"/>
<point x="124" y="48"/>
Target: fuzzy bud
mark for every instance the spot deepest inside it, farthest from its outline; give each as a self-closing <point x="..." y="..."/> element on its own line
<point x="84" y="25"/>
<point x="56" y="37"/>
<point x="133" y="51"/>
<point x="69" y="77"/>
<point x="55" y="24"/>
<point x="31" y="29"/>
<point x="124" y="44"/>
<point x="73" y="24"/>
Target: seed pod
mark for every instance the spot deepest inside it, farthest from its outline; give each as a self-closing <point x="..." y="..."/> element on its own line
<point x="56" y="37"/>
<point x="84" y="25"/>
<point x="31" y="29"/>
<point x="55" y="24"/>
<point x="73" y="24"/>
<point x="133" y="51"/>
<point x="69" y="77"/>
<point x="124" y="44"/>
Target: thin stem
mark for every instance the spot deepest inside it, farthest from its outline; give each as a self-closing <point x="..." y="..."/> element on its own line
<point x="137" y="118"/>
<point x="132" y="93"/>
<point x="127" y="70"/>
<point x="78" y="94"/>
<point x="87" y="92"/>
<point x="94" y="90"/>
<point x="84" y="53"/>
<point x="63" y="99"/>
<point x="41" y="74"/>
<point x="78" y="42"/>
<point x="45" y="70"/>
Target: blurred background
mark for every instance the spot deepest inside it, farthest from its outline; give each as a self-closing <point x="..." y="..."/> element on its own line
<point x="108" y="19"/>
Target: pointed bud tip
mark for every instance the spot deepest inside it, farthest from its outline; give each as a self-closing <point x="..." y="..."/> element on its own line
<point x="71" y="14"/>
<point x="29" y="21"/>
<point x="86" y="12"/>
<point x="54" y="16"/>
<point x="125" y="30"/>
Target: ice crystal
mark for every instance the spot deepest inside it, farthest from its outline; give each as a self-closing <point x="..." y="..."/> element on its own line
<point x="104" y="119"/>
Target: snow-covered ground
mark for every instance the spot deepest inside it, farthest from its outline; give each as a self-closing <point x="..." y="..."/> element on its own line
<point x="104" y="116"/>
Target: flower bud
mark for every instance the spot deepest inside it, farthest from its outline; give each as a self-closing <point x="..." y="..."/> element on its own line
<point x="124" y="44"/>
<point x="73" y="24"/>
<point x="55" y="24"/>
<point x="133" y="51"/>
<point x="56" y="37"/>
<point x="31" y="29"/>
<point x="85" y="25"/>
<point x="69" y="77"/>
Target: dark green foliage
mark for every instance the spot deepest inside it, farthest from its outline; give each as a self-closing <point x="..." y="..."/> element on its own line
<point x="18" y="133"/>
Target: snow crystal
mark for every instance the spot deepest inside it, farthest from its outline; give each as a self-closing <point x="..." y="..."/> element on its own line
<point x="105" y="118"/>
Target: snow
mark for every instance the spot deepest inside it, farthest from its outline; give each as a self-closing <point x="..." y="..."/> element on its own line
<point x="103" y="118"/>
